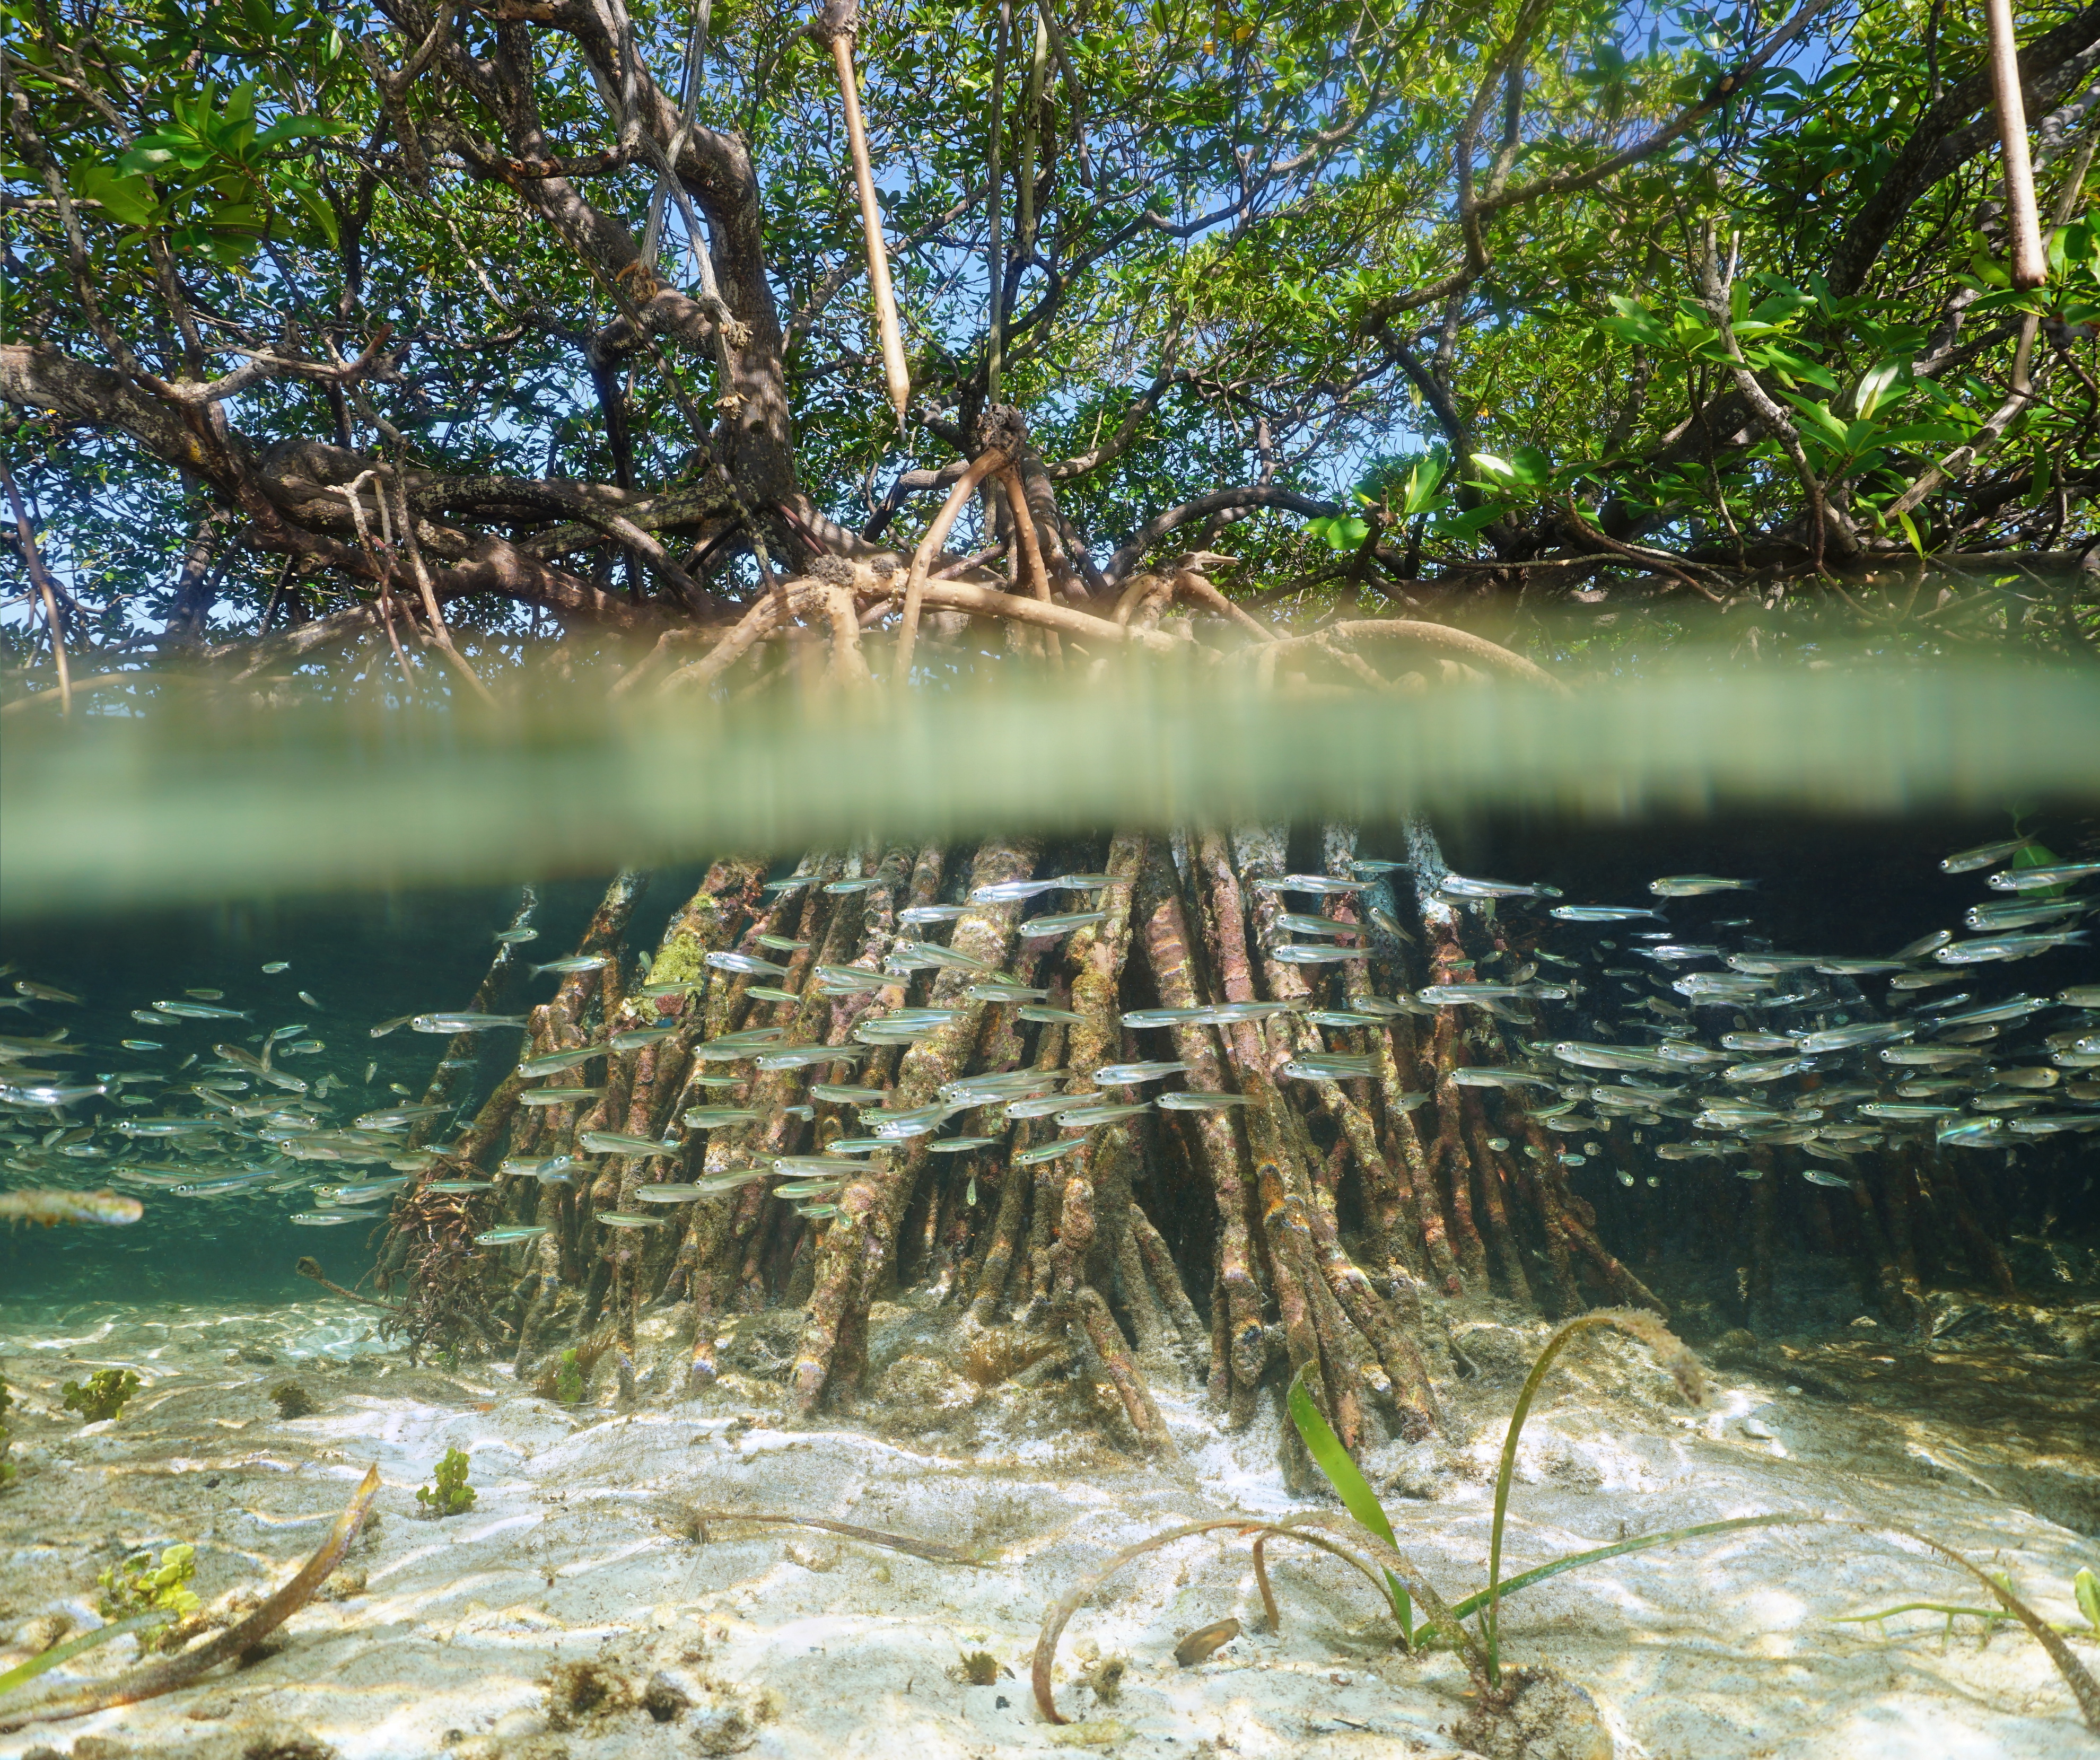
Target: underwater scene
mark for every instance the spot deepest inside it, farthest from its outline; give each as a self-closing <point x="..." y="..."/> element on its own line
<point x="766" y="1291"/>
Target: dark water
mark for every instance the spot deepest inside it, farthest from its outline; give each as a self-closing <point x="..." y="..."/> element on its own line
<point x="1825" y="886"/>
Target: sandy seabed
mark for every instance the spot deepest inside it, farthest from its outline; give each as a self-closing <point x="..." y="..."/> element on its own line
<point x="578" y="1608"/>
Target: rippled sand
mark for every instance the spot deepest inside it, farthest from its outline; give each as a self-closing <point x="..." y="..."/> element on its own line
<point x="579" y="1609"/>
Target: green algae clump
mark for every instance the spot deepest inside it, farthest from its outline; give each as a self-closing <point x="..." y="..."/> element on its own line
<point x="141" y="1584"/>
<point x="104" y="1396"/>
<point x="452" y="1495"/>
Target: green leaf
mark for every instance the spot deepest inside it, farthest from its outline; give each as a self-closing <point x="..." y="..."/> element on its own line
<point x="2085" y="1591"/>
<point x="1876" y="385"/>
<point x="1352" y="1488"/>
<point x="1910" y="532"/>
<point x="128" y="200"/>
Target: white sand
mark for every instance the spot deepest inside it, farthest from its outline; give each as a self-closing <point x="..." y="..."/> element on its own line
<point x="794" y="1643"/>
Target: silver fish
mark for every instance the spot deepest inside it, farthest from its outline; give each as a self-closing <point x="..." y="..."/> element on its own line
<point x="914" y="917"/>
<point x="2009" y="947"/>
<point x="553" y="1062"/>
<point x="1028" y="1158"/>
<point x="1200" y="1100"/>
<point x="1012" y="892"/>
<point x="515" y="937"/>
<point x="197" y="1011"/>
<point x="1297" y="953"/>
<point x="557" y="1097"/>
<point x="1329" y="1066"/>
<point x="1984" y="855"/>
<point x="1121" y="1074"/>
<point x="278" y="965"/>
<point x="582" y="962"/>
<point x="463" y="1023"/>
<point x="1696" y="885"/>
<point x="1458" y="886"/>
<point x="511" y="1235"/>
<point x="1047" y="927"/>
<point x="1042" y="1013"/>
<point x="748" y="964"/>
<point x="2021" y="879"/>
<point x="1601" y="913"/>
<point x="1317" y="883"/>
<point x="1086" y="1117"/>
<point x="623" y="1142"/>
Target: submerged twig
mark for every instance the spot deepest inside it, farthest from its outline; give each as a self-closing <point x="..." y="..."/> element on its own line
<point x="311" y="1267"/>
<point x="931" y="1550"/>
<point x="178" y="1671"/>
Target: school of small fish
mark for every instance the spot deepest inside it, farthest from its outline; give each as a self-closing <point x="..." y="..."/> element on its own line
<point x="1701" y="1038"/>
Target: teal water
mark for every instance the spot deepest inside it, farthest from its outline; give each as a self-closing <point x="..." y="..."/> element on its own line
<point x="1826" y="886"/>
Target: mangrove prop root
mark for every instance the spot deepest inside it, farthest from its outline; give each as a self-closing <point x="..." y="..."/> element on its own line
<point x="178" y="1671"/>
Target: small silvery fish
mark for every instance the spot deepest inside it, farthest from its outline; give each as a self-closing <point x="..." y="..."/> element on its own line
<point x="807" y="1057"/>
<point x="142" y="1044"/>
<point x="622" y="1219"/>
<point x="510" y="1236"/>
<point x="815" y="1166"/>
<point x="1458" y="886"/>
<point x="675" y="987"/>
<point x="396" y="1115"/>
<point x="774" y="888"/>
<point x="848" y="981"/>
<point x="2012" y="1009"/>
<point x="2009" y="947"/>
<point x="2019" y="880"/>
<point x="956" y="1145"/>
<point x="859" y="1145"/>
<point x="920" y="914"/>
<point x="917" y="953"/>
<point x="1367" y="867"/>
<point x="1300" y="923"/>
<point x="278" y="965"/>
<point x="557" y="1097"/>
<point x="623" y="1142"/>
<point x="1343" y="1017"/>
<point x="515" y="937"/>
<point x="668" y="1194"/>
<point x="1850" y="1037"/>
<point x="1201" y="1100"/>
<point x="1474" y="1076"/>
<point x="839" y="1095"/>
<point x="2081" y="996"/>
<point x="1383" y="919"/>
<point x="156" y="1018"/>
<point x="1771" y="1071"/>
<point x="1003" y="993"/>
<point x="553" y="1062"/>
<point x="1078" y="1117"/>
<point x="1047" y="927"/>
<point x="307" y="997"/>
<point x="782" y="943"/>
<point x="451" y="1186"/>
<point x="747" y="964"/>
<point x="840" y="888"/>
<point x="1601" y="913"/>
<point x="1330" y="1066"/>
<point x="769" y="993"/>
<point x="714" y="1118"/>
<point x="1817" y="1176"/>
<point x="1084" y="882"/>
<point x="385" y="1027"/>
<point x="582" y="962"/>
<point x="1319" y="884"/>
<point x="1036" y="1106"/>
<point x="1696" y="885"/>
<point x="1121" y="1074"/>
<point x="1012" y="892"/>
<point x="463" y="1023"/>
<point x="528" y="1167"/>
<point x="322" y="1219"/>
<point x="1028" y="1158"/>
<point x="1043" y="1014"/>
<point x="198" y="1011"/>
<point x="2018" y="913"/>
<point x="1297" y="953"/>
<point x="1983" y="856"/>
<point x="633" y="1039"/>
